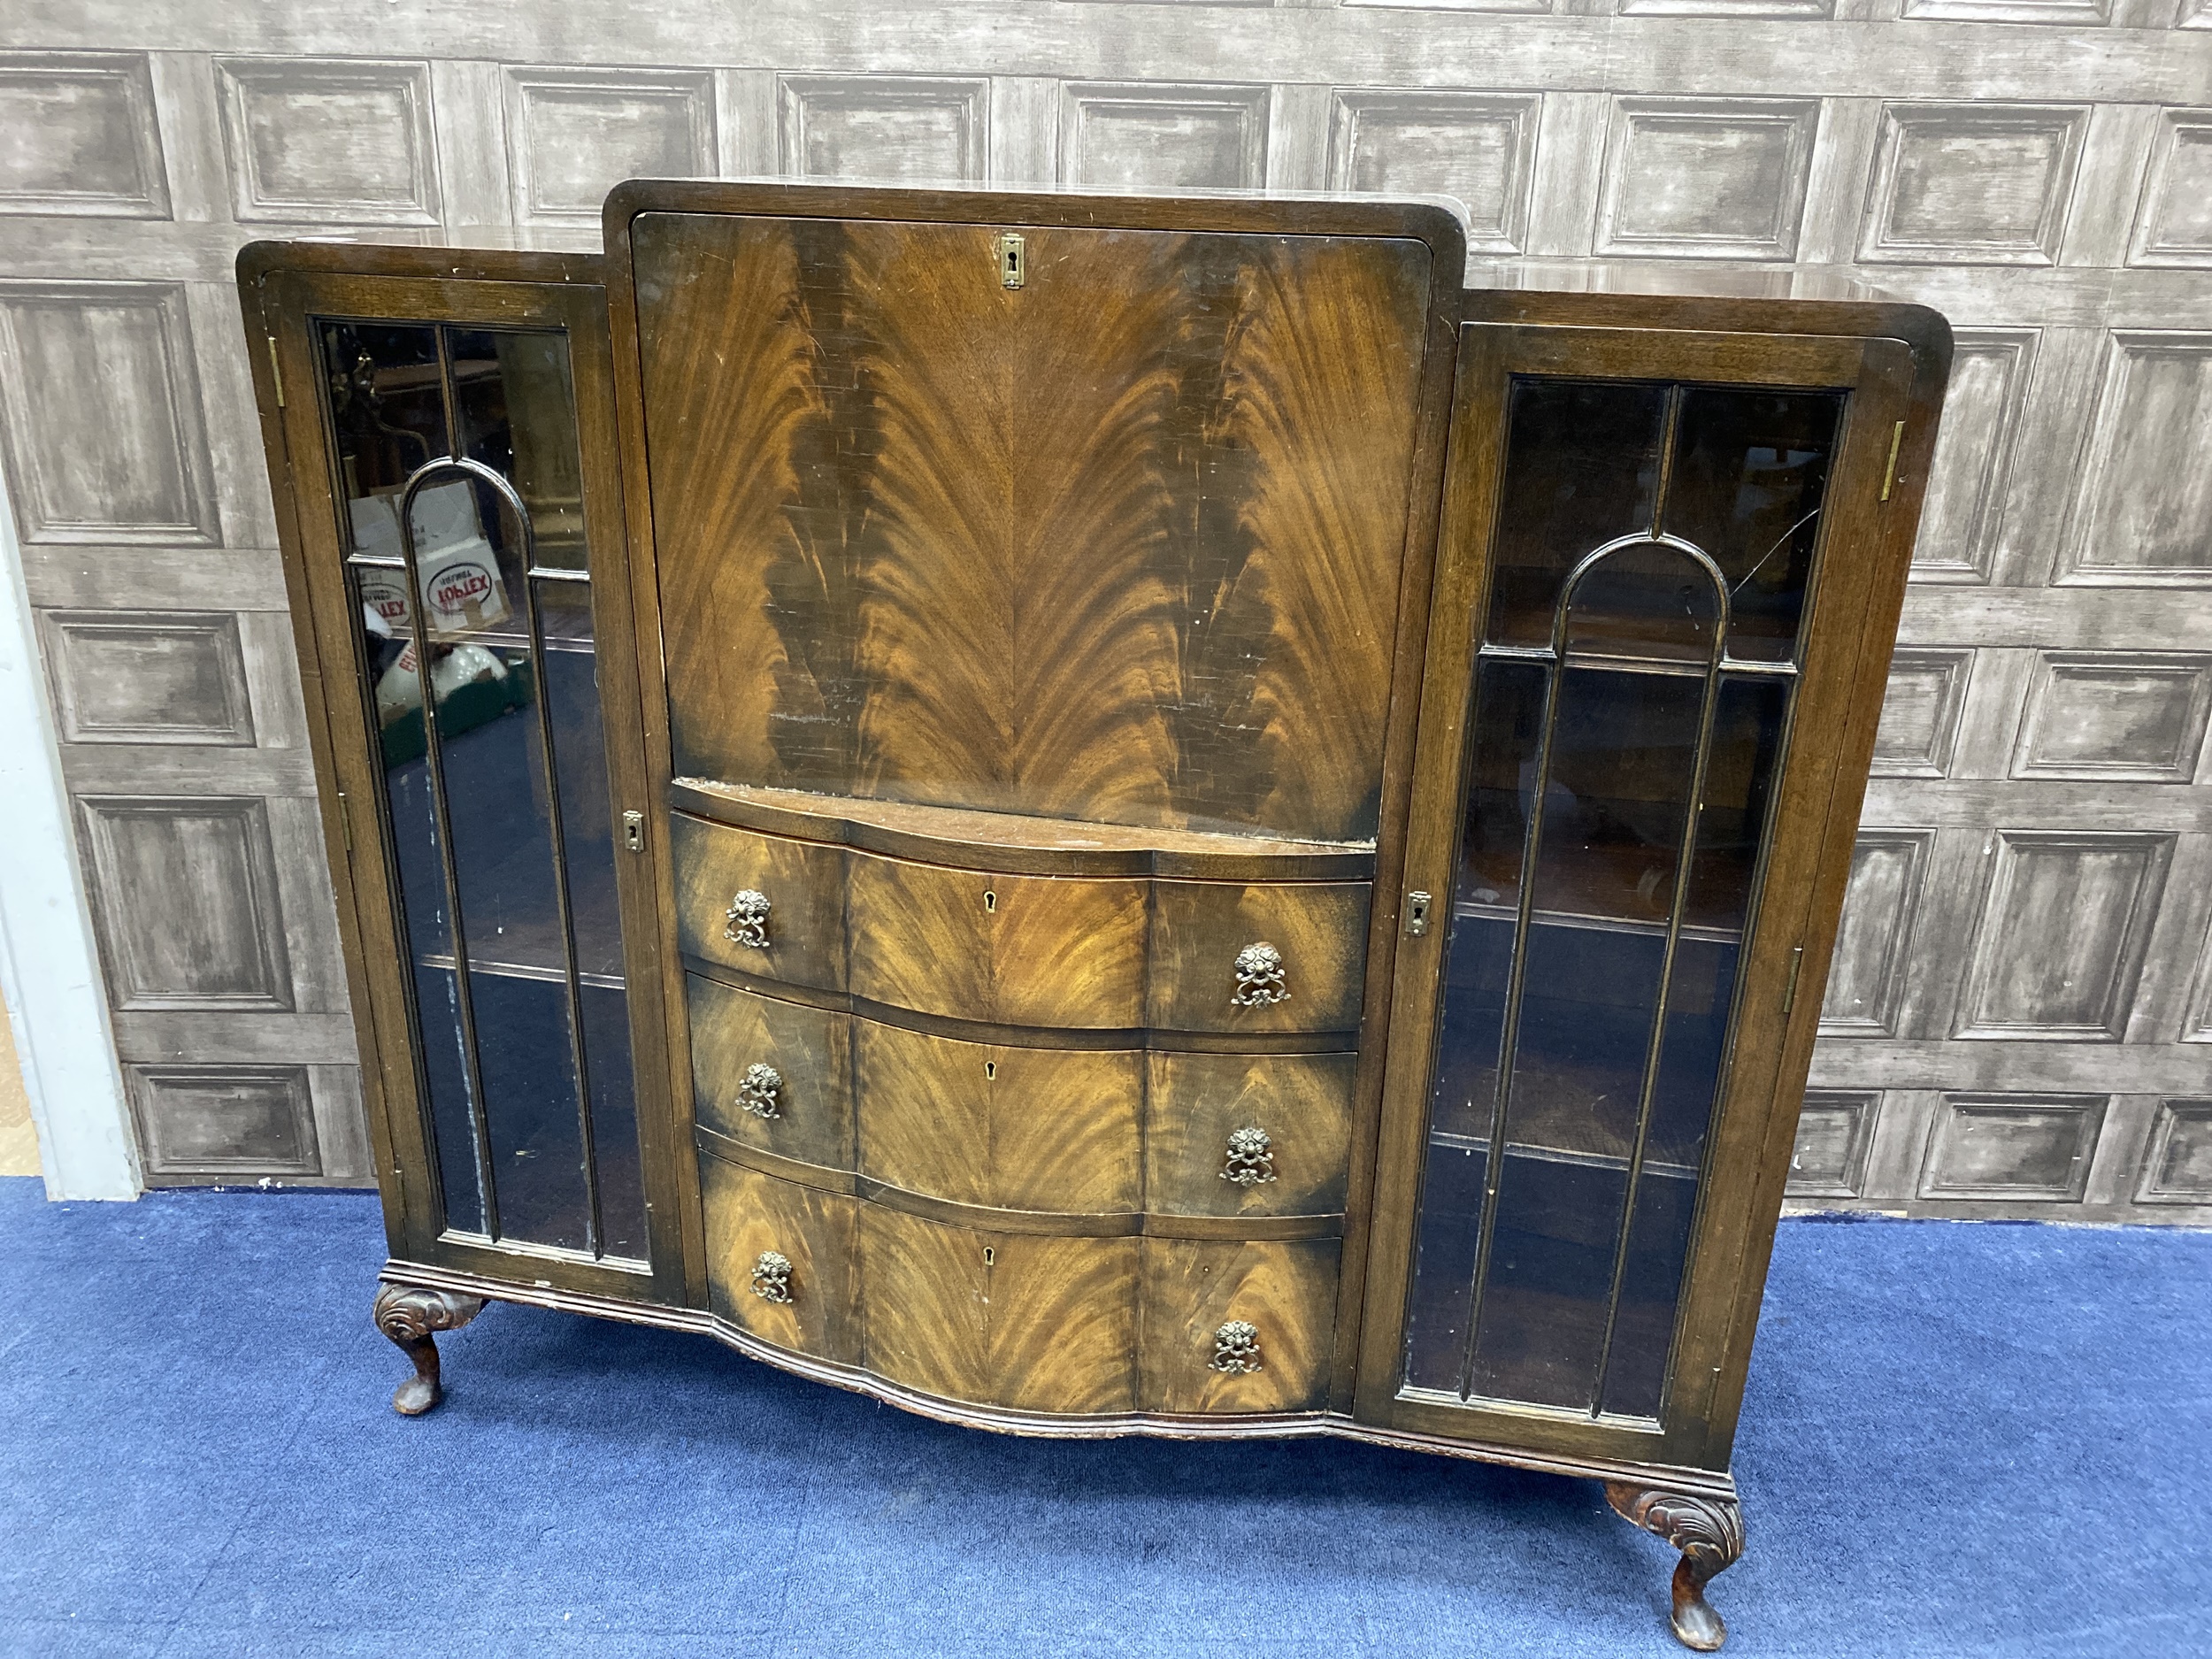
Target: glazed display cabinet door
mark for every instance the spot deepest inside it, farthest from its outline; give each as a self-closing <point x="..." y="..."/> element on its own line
<point x="460" y="528"/>
<point x="1660" y="550"/>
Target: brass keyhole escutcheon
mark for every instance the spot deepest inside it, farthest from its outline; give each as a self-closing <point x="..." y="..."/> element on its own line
<point x="1013" y="259"/>
<point x="990" y="1256"/>
<point x="990" y="901"/>
<point x="990" y="1071"/>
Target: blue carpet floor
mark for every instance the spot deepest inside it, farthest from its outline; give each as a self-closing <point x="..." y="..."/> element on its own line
<point x="1960" y="1440"/>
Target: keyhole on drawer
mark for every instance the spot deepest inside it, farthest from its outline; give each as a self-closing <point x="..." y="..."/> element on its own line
<point x="990" y="1069"/>
<point x="990" y="1256"/>
<point x="990" y="900"/>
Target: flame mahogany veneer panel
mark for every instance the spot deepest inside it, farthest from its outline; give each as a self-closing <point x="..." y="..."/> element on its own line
<point x="1121" y="544"/>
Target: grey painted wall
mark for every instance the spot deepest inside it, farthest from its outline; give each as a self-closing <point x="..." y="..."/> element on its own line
<point x="2022" y="1005"/>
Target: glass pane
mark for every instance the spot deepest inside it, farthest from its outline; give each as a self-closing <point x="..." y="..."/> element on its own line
<point x="1739" y="773"/>
<point x="515" y="781"/>
<point x="528" y="1075"/>
<point x="1750" y="471"/>
<point x="1692" y="1050"/>
<point x="1587" y="1001"/>
<point x="1646" y="601"/>
<point x="387" y="411"/>
<point x="1749" y="720"/>
<point x="1609" y="1012"/>
<point x="519" y="417"/>
<point x="571" y="684"/>
<point x="497" y="804"/>
<point x="422" y="899"/>
<point x="1582" y="468"/>
<point x="1624" y="747"/>
<point x="571" y="678"/>
<point x="1501" y="781"/>
<point x="1444" y="1264"/>
<point x="614" y="1127"/>
<point x="1479" y="959"/>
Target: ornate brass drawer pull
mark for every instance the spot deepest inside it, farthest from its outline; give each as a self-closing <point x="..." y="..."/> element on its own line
<point x="1251" y="1161"/>
<point x="1259" y="977"/>
<point x="772" y="1278"/>
<point x="1236" y="1348"/>
<point x="757" y="1091"/>
<point x="746" y="921"/>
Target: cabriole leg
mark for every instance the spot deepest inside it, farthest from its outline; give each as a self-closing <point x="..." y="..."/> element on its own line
<point x="408" y="1316"/>
<point x="1709" y="1531"/>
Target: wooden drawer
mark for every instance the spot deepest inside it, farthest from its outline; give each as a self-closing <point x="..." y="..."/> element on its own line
<point x="748" y="1214"/>
<point x="1195" y="1102"/>
<point x="1318" y="929"/>
<point x="1010" y="951"/>
<point x="1193" y="1289"/>
<point x="802" y="881"/>
<point x="1021" y="1320"/>
<point x="809" y="1051"/>
<point x="1052" y="1129"/>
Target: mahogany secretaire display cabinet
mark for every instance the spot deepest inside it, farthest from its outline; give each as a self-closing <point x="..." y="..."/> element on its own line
<point x="1097" y="815"/>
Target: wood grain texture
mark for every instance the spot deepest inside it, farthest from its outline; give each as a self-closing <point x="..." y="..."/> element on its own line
<point x="1019" y="1128"/>
<point x="1328" y="339"/>
<point x="817" y="1232"/>
<point x="736" y="669"/>
<point x="1046" y="1324"/>
<point x="805" y="885"/>
<point x="1018" y="844"/>
<point x="1199" y="927"/>
<point x="1121" y="544"/>
<point x="811" y="1049"/>
<point x="1195" y="1101"/>
<point x="1018" y="950"/>
<point x="1192" y="1288"/>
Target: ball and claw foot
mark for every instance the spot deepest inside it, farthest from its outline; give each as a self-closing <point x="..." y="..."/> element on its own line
<point x="1709" y="1531"/>
<point x="408" y="1316"/>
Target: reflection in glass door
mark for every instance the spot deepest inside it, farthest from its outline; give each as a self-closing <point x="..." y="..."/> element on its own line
<point x="1633" y="694"/>
<point x="470" y="580"/>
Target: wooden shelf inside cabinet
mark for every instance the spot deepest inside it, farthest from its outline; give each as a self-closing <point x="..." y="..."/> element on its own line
<point x="1645" y="927"/>
<point x="1015" y="843"/>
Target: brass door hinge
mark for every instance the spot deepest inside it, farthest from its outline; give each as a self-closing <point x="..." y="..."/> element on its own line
<point x="1789" y="991"/>
<point x="1889" y="468"/>
<point x="345" y="823"/>
<point x="276" y="370"/>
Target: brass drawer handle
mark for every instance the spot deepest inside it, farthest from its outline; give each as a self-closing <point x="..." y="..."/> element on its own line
<point x="746" y="921"/>
<point x="1251" y="1161"/>
<point x="1259" y="977"/>
<point x="757" y="1091"/>
<point x="1236" y="1348"/>
<point x="771" y="1277"/>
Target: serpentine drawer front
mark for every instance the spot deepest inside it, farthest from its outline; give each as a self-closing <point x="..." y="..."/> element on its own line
<point x="1029" y="1320"/>
<point x="760" y="903"/>
<point x="1099" y="815"/>
<point x="1109" y="1132"/>
<point x="1058" y="951"/>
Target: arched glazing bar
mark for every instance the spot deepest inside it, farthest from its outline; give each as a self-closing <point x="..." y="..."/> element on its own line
<point x="1619" y="772"/>
<point x="1555" y="676"/>
<point x="511" y="503"/>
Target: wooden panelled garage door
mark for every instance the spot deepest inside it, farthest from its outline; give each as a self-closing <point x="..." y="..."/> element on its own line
<point x="2020" y="1019"/>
